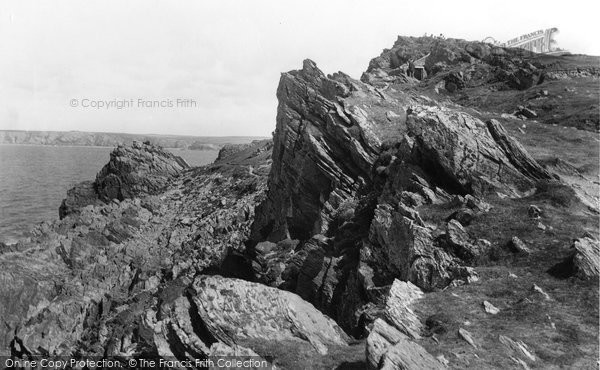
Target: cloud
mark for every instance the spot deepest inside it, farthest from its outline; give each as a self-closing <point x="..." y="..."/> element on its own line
<point x="226" y="54"/>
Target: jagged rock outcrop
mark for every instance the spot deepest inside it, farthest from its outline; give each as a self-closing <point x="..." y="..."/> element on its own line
<point x="83" y="283"/>
<point x="387" y="67"/>
<point x="444" y="153"/>
<point x="458" y="63"/>
<point x="445" y="54"/>
<point x="142" y="169"/>
<point x="230" y="149"/>
<point x="390" y="344"/>
<point x="79" y="196"/>
<point x="400" y="248"/>
<point x="465" y="156"/>
<point x="340" y="220"/>
<point x="137" y="170"/>
<point x="277" y="248"/>
<point x="323" y="151"/>
<point x="492" y="78"/>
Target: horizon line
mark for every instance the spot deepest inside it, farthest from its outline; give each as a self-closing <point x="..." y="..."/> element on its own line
<point x="130" y="133"/>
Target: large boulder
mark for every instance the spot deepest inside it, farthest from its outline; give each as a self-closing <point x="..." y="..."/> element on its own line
<point x="223" y="313"/>
<point x="460" y="243"/>
<point x="250" y="312"/>
<point x="398" y="311"/>
<point x="582" y="262"/>
<point x="466" y="156"/>
<point x="586" y="258"/>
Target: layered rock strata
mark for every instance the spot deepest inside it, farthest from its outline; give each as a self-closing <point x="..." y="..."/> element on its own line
<point x="286" y="249"/>
<point x="351" y="165"/>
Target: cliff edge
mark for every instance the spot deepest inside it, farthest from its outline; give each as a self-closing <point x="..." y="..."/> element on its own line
<point x="390" y="223"/>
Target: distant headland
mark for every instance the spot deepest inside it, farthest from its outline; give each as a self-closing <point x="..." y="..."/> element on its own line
<point x="81" y="138"/>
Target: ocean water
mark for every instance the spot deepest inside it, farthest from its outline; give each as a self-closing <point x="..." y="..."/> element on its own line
<point x="34" y="180"/>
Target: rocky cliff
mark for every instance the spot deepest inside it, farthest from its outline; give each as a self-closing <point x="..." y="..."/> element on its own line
<point x="384" y="226"/>
<point x="118" y="250"/>
<point x="346" y="180"/>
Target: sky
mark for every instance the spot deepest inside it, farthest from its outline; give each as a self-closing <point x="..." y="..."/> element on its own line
<point x="211" y="68"/>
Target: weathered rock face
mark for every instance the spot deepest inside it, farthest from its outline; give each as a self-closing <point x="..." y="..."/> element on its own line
<point x="81" y="195"/>
<point x="586" y="258"/>
<point x="465" y="156"/>
<point x="444" y="152"/>
<point x="459" y="241"/>
<point x="84" y="282"/>
<point x="142" y="169"/>
<point x="138" y="170"/>
<point x="323" y="151"/>
<point x="351" y="165"/>
<point x="398" y="311"/>
<point x="325" y="145"/>
<point x="398" y="247"/>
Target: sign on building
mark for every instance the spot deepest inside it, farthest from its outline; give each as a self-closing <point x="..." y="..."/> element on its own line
<point x="539" y="41"/>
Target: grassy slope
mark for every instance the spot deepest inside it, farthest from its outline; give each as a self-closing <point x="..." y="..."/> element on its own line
<point x="571" y="102"/>
<point x="561" y="332"/>
<point x="524" y="315"/>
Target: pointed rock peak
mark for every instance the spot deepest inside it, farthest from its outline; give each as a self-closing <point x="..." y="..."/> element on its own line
<point x="309" y="68"/>
<point x="308" y="64"/>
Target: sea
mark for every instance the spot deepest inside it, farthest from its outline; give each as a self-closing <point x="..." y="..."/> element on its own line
<point x="34" y="180"/>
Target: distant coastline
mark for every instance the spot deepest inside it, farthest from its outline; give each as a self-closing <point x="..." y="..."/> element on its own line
<point x="106" y="139"/>
<point x="64" y="146"/>
<point x="95" y="146"/>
